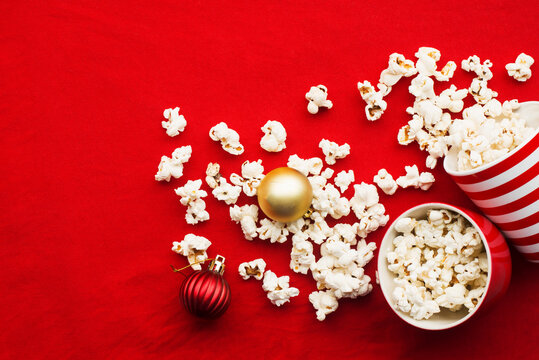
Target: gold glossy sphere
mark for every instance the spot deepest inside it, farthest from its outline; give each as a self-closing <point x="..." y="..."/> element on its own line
<point x="285" y="194"/>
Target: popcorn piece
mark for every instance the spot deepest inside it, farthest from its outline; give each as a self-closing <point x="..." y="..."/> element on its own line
<point x="301" y="256"/>
<point x="278" y="289"/>
<point x="413" y="178"/>
<point x="447" y="71"/>
<point x="252" y="269"/>
<point x="422" y="87"/>
<point x="309" y="166"/>
<point x="451" y="99"/>
<point x="427" y="58"/>
<point x="194" y="248"/>
<point x="317" y="97"/>
<point x="374" y="99"/>
<point x="333" y="151"/>
<point x="191" y="196"/>
<point x="365" y="205"/>
<point x="173" y="166"/>
<point x="473" y="64"/>
<point x="344" y="179"/>
<point x="480" y="91"/>
<point x="213" y="176"/>
<point x="274" y="136"/>
<point x="273" y="230"/>
<point x="227" y="192"/>
<point x="252" y="173"/>
<point x="318" y="230"/>
<point x="175" y="122"/>
<point x="247" y="216"/>
<point x="385" y="182"/>
<point x="324" y="302"/>
<point x="398" y="67"/>
<point x="230" y="139"/>
<point x="520" y="69"/>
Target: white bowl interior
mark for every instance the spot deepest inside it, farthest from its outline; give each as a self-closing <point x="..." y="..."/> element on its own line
<point x="528" y="110"/>
<point x="445" y="319"/>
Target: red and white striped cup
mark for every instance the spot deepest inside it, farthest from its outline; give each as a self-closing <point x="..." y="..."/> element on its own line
<point x="507" y="189"/>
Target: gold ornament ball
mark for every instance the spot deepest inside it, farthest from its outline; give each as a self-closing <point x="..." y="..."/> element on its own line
<point x="285" y="194"/>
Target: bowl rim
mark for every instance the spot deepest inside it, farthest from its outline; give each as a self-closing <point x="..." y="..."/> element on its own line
<point x="492" y="163"/>
<point x="382" y="262"/>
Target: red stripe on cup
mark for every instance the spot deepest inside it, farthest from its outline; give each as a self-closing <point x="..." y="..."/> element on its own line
<point x="512" y="206"/>
<point x="506" y="187"/>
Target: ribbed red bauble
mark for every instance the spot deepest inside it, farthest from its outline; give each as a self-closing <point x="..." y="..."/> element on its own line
<point x="206" y="293"/>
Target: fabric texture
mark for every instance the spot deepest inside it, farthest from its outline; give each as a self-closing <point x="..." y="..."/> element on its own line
<point x="86" y="231"/>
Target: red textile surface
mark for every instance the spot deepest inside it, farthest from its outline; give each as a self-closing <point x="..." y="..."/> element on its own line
<point x="86" y="231"/>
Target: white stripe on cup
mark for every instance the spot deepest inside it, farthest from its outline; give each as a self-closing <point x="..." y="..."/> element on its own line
<point x="504" y="177"/>
<point x="525" y="232"/>
<point x="528" y="249"/>
<point x="516" y="215"/>
<point x="510" y="196"/>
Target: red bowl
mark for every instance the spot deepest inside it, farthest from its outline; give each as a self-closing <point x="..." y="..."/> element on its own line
<point x="499" y="267"/>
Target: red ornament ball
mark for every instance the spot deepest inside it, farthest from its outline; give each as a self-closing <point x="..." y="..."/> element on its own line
<point x="206" y="293"/>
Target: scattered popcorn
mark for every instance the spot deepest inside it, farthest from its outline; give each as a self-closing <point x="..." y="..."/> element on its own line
<point x="398" y="67"/>
<point x="437" y="263"/>
<point x="173" y="166"/>
<point x="230" y="139"/>
<point x="375" y="103"/>
<point x="473" y="64"/>
<point x="194" y="248"/>
<point x="273" y="230"/>
<point x="333" y="151"/>
<point x="324" y="302"/>
<point x="301" y="256"/>
<point x="413" y="178"/>
<point x="213" y="176"/>
<point x="367" y="209"/>
<point x="451" y="99"/>
<point x="385" y="182"/>
<point x="427" y="58"/>
<point x="274" y="136"/>
<point x="309" y="166"/>
<point x="252" y="269"/>
<point x="191" y="196"/>
<point x="520" y="69"/>
<point x="447" y="71"/>
<point x="480" y="91"/>
<point x="278" y="289"/>
<point x="246" y="216"/>
<point x="344" y="179"/>
<point x="227" y="192"/>
<point x="422" y="87"/>
<point x="252" y="174"/>
<point x="317" y="97"/>
<point x="175" y="123"/>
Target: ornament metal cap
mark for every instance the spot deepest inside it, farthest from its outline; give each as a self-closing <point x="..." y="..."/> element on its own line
<point x="218" y="264"/>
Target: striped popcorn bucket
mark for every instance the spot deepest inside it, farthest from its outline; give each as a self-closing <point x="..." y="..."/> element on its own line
<point x="507" y="190"/>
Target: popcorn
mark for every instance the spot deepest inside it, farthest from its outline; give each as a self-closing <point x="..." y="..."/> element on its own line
<point x="194" y="248"/>
<point x="480" y="91"/>
<point x="274" y="136"/>
<point x="447" y="71"/>
<point x="344" y="179"/>
<point x="301" y="256"/>
<point x="413" y="178"/>
<point x="213" y="176"/>
<point x="175" y="122"/>
<point x="473" y="64"/>
<point x="317" y="97"/>
<point x="247" y="216"/>
<point x="374" y="99"/>
<point x="318" y="231"/>
<point x="252" y="173"/>
<point x="273" y="230"/>
<point x="427" y="58"/>
<point x="365" y="205"/>
<point x="385" y="182"/>
<point x="309" y="166"/>
<point x="451" y="99"/>
<point x="328" y="200"/>
<point x="173" y="166"/>
<point x="277" y="288"/>
<point x="230" y="139"/>
<point x="398" y="67"/>
<point x="227" y="192"/>
<point x="520" y="69"/>
<point x="333" y="151"/>
<point x="438" y="262"/>
<point x="252" y="269"/>
<point x="422" y="87"/>
<point x="191" y="196"/>
<point x="324" y="302"/>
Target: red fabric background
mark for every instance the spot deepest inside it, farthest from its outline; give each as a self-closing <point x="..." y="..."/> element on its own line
<point x="86" y="231"/>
